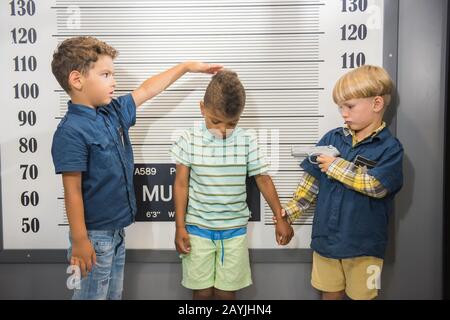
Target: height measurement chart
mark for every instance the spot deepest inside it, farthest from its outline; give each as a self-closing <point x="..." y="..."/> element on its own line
<point x="288" y="55"/>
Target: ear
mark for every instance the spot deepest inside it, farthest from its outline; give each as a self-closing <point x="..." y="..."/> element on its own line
<point x="202" y="107"/>
<point x="378" y="104"/>
<point x="75" y="80"/>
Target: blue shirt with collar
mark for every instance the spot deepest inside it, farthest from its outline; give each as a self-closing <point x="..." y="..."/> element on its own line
<point x="96" y="142"/>
<point x="347" y="223"/>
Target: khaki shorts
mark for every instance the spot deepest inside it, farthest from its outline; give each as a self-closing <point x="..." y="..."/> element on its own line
<point x="203" y="267"/>
<point x="359" y="277"/>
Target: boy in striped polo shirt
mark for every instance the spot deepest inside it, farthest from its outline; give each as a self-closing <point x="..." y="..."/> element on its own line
<point x="211" y="212"/>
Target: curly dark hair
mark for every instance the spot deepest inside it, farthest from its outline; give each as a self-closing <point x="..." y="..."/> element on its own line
<point x="225" y="93"/>
<point x="78" y="53"/>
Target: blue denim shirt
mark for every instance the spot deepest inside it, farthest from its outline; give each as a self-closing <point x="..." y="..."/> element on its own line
<point x="96" y="142"/>
<point x="348" y="223"/>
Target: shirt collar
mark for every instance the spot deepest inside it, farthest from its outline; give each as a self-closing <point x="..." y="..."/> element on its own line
<point x="208" y="136"/>
<point x="347" y="131"/>
<point x="82" y="110"/>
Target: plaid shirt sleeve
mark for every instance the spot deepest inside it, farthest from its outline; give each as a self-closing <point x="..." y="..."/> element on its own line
<point x="303" y="197"/>
<point x="355" y="178"/>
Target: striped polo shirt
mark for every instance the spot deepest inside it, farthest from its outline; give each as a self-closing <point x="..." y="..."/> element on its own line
<point x="218" y="171"/>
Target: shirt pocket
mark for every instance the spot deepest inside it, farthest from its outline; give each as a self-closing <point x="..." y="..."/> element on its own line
<point x="101" y="154"/>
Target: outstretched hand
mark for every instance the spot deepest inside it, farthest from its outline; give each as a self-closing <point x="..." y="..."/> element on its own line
<point x="198" y="66"/>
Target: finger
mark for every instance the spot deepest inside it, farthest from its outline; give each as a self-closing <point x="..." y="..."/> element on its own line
<point x="89" y="265"/>
<point x="177" y="247"/>
<point x="75" y="262"/>
<point x="182" y="248"/>
<point x="274" y="219"/>
<point x="83" y="268"/>
<point x="214" y="71"/>
<point x="94" y="258"/>
<point x="187" y="244"/>
<point x="214" y="66"/>
<point x="283" y="212"/>
<point x="321" y="159"/>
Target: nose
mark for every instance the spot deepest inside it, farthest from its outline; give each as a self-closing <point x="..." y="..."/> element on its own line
<point x="344" y="113"/>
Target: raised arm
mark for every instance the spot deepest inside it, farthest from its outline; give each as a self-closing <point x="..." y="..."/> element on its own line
<point x="158" y="83"/>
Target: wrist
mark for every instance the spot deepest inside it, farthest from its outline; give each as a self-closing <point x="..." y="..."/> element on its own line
<point x="78" y="232"/>
<point x="186" y="66"/>
<point x="285" y="219"/>
<point x="79" y="238"/>
<point x="287" y="216"/>
<point x="278" y="214"/>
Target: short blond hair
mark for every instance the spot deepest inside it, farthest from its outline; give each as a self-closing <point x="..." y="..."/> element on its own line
<point x="363" y="82"/>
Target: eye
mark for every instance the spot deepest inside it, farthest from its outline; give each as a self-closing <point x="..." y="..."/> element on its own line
<point x="106" y="74"/>
<point x="215" y="121"/>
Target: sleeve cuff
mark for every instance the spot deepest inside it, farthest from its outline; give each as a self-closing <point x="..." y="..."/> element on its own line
<point x="292" y="215"/>
<point x="181" y="161"/>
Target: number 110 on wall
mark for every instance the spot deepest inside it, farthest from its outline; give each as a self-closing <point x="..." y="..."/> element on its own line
<point x="26" y="95"/>
<point x="353" y="32"/>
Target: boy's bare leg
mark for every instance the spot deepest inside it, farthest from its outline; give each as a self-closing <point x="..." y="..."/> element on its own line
<point x="340" y="295"/>
<point x="203" y="294"/>
<point x="224" y="295"/>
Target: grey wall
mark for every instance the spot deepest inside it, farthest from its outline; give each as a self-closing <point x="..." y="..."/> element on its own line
<point x="414" y="272"/>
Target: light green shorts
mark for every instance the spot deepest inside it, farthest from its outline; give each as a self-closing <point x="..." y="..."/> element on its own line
<point x="203" y="268"/>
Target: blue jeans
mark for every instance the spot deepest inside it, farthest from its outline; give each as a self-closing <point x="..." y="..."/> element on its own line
<point x="105" y="281"/>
